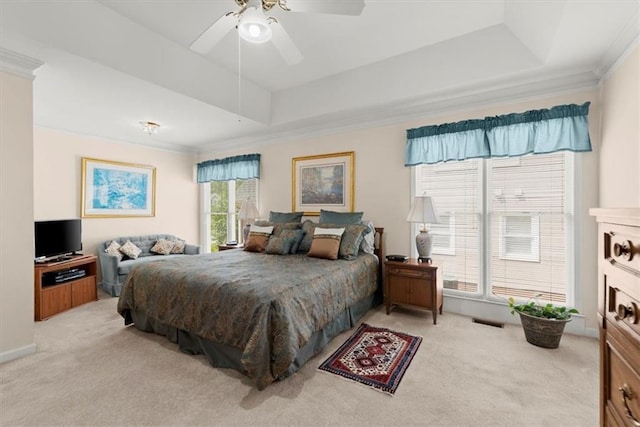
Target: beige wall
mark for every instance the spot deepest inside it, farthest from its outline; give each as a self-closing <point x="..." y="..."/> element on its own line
<point x="16" y="216"/>
<point x="57" y="186"/>
<point x="620" y="149"/>
<point x="383" y="185"/>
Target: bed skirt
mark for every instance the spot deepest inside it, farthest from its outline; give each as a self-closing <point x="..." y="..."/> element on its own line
<point x="225" y="356"/>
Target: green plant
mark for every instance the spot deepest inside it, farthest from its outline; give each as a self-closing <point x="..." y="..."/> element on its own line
<point x="547" y="311"/>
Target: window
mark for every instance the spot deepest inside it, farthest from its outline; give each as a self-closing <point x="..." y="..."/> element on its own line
<point x="505" y="225"/>
<point x="444" y="235"/>
<point x="225" y="199"/>
<point x="519" y="237"/>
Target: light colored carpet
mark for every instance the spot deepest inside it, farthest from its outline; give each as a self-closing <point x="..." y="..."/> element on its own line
<point x="91" y="370"/>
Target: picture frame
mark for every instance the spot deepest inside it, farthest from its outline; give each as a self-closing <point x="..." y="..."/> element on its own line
<point x="112" y="189"/>
<point x="324" y="181"/>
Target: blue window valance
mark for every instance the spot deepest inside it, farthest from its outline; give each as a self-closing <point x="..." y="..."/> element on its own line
<point x="564" y="127"/>
<point x="246" y="166"/>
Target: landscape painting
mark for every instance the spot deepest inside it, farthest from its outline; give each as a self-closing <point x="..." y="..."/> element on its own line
<point x="117" y="189"/>
<point x="323" y="182"/>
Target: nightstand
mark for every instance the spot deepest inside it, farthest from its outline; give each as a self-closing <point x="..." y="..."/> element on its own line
<point x="227" y="247"/>
<point x="413" y="284"/>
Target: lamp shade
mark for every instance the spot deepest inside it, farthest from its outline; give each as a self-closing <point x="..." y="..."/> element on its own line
<point x="248" y="210"/>
<point x="423" y="211"/>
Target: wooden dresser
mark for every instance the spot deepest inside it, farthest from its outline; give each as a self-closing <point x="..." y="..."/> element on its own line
<point x="619" y="315"/>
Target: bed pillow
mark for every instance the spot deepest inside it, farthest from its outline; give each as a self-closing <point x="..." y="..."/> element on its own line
<point x="278" y="227"/>
<point x="351" y="238"/>
<point x="178" y="246"/>
<point x="285" y="216"/>
<point x="332" y="217"/>
<point x="130" y="250"/>
<point x="280" y="245"/>
<point x="308" y="228"/>
<point x="368" y="243"/>
<point x="326" y="243"/>
<point x="296" y="236"/>
<point x="114" y="249"/>
<point x="162" y="247"/>
<point x="258" y="238"/>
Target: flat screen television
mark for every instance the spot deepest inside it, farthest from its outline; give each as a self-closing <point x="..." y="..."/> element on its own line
<point x="57" y="238"/>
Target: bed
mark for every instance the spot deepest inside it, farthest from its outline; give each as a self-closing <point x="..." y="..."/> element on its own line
<point x="260" y="314"/>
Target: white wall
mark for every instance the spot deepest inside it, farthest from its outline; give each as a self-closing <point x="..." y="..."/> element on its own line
<point x="16" y="216"/>
<point x="620" y="149"/>
<point x="57" y="163"/>
<point x="383" y="187"/>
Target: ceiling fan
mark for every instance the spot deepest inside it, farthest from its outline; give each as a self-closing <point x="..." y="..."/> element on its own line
<point x="255" y="26"/>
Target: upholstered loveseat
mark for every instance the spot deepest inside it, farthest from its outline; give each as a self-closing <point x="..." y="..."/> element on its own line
<point x="115" y="268"/>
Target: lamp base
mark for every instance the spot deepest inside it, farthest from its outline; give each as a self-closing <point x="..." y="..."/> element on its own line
<point x="424" y="243"/>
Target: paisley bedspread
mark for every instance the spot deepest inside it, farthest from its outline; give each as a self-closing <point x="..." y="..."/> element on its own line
<point x="267" y="306"/>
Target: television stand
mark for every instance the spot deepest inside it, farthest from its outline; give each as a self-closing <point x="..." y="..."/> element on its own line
<point x="55" y="298"/>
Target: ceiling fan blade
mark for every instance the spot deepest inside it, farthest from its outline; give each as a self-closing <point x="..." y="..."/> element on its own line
<point x="281" y="40"/>
<point x="212" y="35"/>
<point x="335" y="7"/>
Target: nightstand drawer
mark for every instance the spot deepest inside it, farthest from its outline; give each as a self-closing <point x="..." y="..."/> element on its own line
<point x="422" y="274"/>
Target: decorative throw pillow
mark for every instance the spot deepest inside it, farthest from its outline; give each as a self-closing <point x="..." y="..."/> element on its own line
<point x="113" y="249"/>
<point x="331" y="217"/>
<point x="279" y="245"/>
<point x="326" y="243"/>
<point x="178" y="246"/>
<point x="308" y="227"/>
<point x="130" y="250"/>
<point x="258" y="238"/>
<point x="278" y="227"/>
<point x="285" y="216"/>
<point x="295" y="235"/>
<point x="162" y="247"/>
<point x="351" y="238"/>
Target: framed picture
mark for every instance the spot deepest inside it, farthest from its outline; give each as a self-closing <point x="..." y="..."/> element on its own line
<point x="323" y="182"/>
<point x="117" y="189"/>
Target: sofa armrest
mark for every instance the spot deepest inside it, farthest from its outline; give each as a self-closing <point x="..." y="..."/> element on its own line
<point x="109" y="268"/>
<point x="191" y="249"/>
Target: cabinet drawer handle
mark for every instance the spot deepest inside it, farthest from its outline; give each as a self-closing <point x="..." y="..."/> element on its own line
<point x="626" y="393"/>
<point x="409" y="272"/>
<point x="628" y="311"/>
<point x="625" y="250"/>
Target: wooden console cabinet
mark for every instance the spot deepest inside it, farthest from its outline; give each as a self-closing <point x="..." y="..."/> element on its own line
<point x="619" y="315"/>
<point x="413" y="284"/>
<point x="52" y="299"/>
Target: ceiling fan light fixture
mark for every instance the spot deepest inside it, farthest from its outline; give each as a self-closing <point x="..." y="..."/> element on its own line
<point x="254" y="26"/>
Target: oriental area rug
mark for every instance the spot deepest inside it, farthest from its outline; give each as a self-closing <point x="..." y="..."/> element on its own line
<point x="376" y="357"/>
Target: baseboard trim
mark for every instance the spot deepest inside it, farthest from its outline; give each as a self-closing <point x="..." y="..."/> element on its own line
<point x="16" y="353"/>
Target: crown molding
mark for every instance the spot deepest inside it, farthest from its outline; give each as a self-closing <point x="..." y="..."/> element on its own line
<point x="18" y="64"/>
<point x="448" y="101"/>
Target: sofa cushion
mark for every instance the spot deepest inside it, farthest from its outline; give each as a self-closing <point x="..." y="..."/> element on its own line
<point x="114" y="249"/>
<point x="178" y="246"/>
<point x="163" y="247"/>
<point x="130" y="250"/>
<point x="126" y="265"/>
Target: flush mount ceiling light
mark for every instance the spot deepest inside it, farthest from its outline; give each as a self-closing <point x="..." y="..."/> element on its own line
<point x="150" y="127"/>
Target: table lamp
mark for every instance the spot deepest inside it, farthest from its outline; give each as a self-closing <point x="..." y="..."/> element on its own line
<point x="248" y="212"/>
<point x="423" y="211"/>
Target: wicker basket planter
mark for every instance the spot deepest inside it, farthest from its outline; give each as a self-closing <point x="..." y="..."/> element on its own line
<point x="541" y="331"/>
